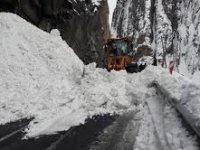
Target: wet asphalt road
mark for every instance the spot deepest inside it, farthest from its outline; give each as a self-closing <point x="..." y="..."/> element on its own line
<point x="108" y="132"/>
<point x="76" y="138"/>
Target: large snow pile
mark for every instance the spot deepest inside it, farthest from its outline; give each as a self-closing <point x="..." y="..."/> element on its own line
<point x="41" y="77"/>
<point x="37" y="70"/>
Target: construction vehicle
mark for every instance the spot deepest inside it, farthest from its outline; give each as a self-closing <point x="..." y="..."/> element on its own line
<point x="120" y="55"/>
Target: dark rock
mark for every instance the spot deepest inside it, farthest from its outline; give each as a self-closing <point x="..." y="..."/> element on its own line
<point x="83" y="25"/>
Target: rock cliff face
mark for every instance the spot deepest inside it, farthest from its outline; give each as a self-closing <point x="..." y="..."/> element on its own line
<point x="133" y="18"/>
<point x="165" y="24"/>
<point x="82" y="23"/>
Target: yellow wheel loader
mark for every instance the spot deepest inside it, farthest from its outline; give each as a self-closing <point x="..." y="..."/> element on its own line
<point x="120" y="55"/>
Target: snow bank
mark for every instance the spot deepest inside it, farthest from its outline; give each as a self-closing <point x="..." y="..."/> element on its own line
<point x="161" y="128"/>
<point x="41" y="77"/>
<point x="37" y="70"/>
<point x="182" y="91"/>
<point x="177" y="87"/>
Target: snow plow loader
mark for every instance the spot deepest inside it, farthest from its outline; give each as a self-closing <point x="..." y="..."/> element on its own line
<point x="120" y="55"/>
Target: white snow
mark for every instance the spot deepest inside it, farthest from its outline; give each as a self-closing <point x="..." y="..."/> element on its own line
<point x="163" y="28"/>
<point x="55" y="32"/>
<point x="161" y="128"/>
<point x="41" y="77"/>
<point x="37" y="71"/>
<point x="145" y="23"/>
<point x="196" y="78"/>
<point x="96" y="2"/>
<point x="112" y="5"/>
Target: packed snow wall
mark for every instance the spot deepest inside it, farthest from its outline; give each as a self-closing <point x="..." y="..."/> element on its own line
<point x="83" y="23"/>
<point x="164" y="24"/>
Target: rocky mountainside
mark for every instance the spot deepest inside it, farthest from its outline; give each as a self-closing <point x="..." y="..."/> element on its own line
<point x="170" y="27"/>
<point x="83" y="23"/>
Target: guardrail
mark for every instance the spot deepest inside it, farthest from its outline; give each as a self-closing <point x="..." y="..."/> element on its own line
<point x="192" y="120"/>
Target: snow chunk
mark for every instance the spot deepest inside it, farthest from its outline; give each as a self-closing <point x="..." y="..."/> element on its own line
<point x="55" y="32"/>
<point x="37" y="71"/>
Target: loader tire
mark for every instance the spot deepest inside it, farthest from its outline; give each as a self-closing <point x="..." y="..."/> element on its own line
<point x="132" y="69"/>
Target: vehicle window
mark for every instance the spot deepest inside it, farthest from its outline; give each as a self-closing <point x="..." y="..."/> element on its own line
<point x="119" y="47"/>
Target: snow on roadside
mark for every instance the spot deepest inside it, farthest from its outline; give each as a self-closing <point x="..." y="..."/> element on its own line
<point x="161" y="128"/>
<point x="178" y="88"/>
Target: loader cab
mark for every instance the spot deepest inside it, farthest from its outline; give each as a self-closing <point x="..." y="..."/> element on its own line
<point x="118" y="47"/>
<point x="119" y="53"/>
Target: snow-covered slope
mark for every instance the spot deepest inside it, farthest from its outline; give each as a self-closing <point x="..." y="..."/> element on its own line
<point x="165" y="24"/>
